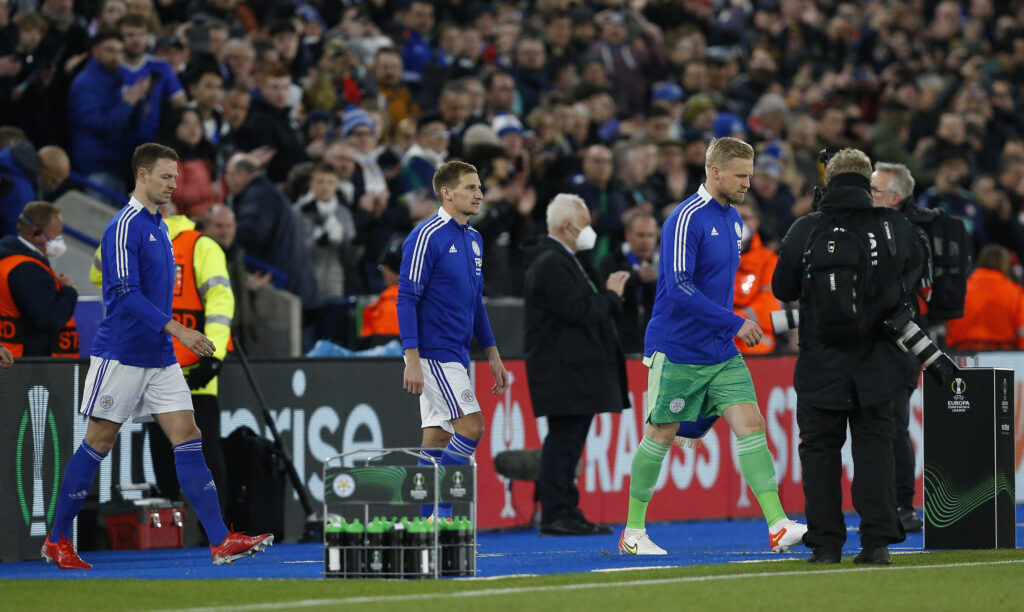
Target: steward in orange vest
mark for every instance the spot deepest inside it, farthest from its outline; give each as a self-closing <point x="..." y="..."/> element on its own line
<point x="993" y="308"/>
<point x="753" y="298"/>
<point x="380" y="317"/>
<point x="36" y="304"/>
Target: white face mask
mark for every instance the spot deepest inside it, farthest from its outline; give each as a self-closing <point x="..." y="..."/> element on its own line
<point x="56" y="247"/>
<point x="586" y="239"/>
<point x="746" y="236"/>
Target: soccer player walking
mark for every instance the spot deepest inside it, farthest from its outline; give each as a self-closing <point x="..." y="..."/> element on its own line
<point x="440" y="310"/>
<point x="133" y="372"/>
<point x="696" y="372"/>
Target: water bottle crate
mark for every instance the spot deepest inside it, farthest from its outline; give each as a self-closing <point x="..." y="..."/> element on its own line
<point x="367" y="505"/>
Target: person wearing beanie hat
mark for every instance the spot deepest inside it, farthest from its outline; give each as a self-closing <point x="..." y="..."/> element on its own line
<point x="728" y="124"/>
<point x="355" y="117"/>
<point x="699" y="112"/>
<point x="360" y="130"/>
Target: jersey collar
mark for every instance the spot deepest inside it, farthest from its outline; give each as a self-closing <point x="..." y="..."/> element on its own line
<point x="705" y="195"/>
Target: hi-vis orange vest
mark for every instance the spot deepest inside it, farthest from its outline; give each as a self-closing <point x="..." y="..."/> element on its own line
<point x="186" y="307"/>
<point x="753" y="297"/>
<point x="65" y="342"/>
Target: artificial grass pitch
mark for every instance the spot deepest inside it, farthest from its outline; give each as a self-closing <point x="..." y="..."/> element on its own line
<point x="948" y="580"/>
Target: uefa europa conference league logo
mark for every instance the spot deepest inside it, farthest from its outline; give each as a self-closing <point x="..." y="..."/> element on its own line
<point x="958" y="403"/>
<point x="39" y="418"/>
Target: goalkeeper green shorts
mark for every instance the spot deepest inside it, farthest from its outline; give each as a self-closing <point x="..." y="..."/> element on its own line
<point x="679" y="393"/>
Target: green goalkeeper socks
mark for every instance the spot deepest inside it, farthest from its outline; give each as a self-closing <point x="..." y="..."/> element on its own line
<point x="642" y="477"/>
<point x="758" y="470"/>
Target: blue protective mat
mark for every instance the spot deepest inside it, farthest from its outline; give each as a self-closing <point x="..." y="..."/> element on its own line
<point x="500" y="554"/>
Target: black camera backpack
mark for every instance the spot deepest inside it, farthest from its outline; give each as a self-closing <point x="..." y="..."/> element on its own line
<point x="840" y="283"/>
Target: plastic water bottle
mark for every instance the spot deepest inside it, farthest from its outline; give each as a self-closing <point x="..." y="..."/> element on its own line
<point x="355" y="549"/>
<point x="375" y="552"/>
<point x="333" y="532"/>
<point x="410" y="543"/>
<point x="449" y="547"/>
<point x="395" y="539"/>
<point x="466" y="555"/>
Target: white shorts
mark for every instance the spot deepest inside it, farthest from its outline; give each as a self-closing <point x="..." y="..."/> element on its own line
<point x="447" y="394"/>
<point x="114" y="391"/>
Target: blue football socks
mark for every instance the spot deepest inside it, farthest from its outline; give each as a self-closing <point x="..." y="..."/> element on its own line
<point x="425" y="455"/>
<point x="74" y="488"/>
<point x="465" y="448"/>
<point x="197" y="483"/>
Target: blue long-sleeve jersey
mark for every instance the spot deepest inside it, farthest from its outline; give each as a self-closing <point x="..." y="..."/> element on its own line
<point x="138" y="287"/>
<point x="440" y="290"/>
<point x="692" y="320"/>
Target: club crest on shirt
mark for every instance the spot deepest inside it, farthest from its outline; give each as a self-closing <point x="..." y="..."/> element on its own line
<point x="476" y="249"/>
<point x="739" y="230"/>
<point x="107" y="402"/>
<point x="677" y="405"/>
<point x="466" y="395"/>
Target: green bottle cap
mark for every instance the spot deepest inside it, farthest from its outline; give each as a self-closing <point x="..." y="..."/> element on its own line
<point x="377" y="526"/>
<point x="354" y="527"/>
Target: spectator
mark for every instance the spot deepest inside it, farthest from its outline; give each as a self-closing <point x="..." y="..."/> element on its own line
<point x="36" y="302"/>
<point x="639" y="257"/>
<point x="359" y="129"/>
<point x="109" y="14"/>
<point x="949" y="193"/>
<point x="634" y="169"/>
<point x="628" y="62"/>
<point x="206" y="88"/>
<point x="500" y="94"/>
<point x="219" y="224"/>
<point x="753" y="298"/>
<point x="267" y="227"/>
<point x="993" y="310"/>
<point x="293" y="53"/>
<point x="455" y="108"/>
<point x="27" y="169"/>
<point x="416" y="52"/>
<point x="392" y="95"/>
<point x="196" y="192"/>
<point x="269" y="125"/>
<point x="327" y="229"/>
<point x="237" y="101"/>
<point x="172" y="50"/>
<point x="25" y="93"/>
<point x="529" y="72"/>
<point x="336" y="84"/>
<point x="605" y="201"/>
<point x="671" y="181"/>
<point x="104" y="114"/>
<point x="240" y="57"/>
<point x="773" y="197"/>
<point x="162" y="85"/>
<point x="423" y="159"/>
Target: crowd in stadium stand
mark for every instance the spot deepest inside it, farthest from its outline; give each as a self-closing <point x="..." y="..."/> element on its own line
<point x="344" y="109"/>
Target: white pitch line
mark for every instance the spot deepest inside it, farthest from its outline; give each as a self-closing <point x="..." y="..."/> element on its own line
<point x="309" y="603"/>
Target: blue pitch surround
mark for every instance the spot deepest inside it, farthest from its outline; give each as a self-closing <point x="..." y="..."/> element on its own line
<point x="501" y="554"/>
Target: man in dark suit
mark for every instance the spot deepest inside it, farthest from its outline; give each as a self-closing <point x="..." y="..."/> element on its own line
<point x="638" y="255"/>
<point x="574" y="364"/>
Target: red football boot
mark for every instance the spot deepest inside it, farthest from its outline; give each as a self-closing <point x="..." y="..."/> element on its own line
<point x="63" y="553"/>
<point x="237" y="545"/>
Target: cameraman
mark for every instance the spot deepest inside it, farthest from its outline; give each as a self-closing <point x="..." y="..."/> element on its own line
<point x="853" y="382"/>
<point x="892" y="186"/>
